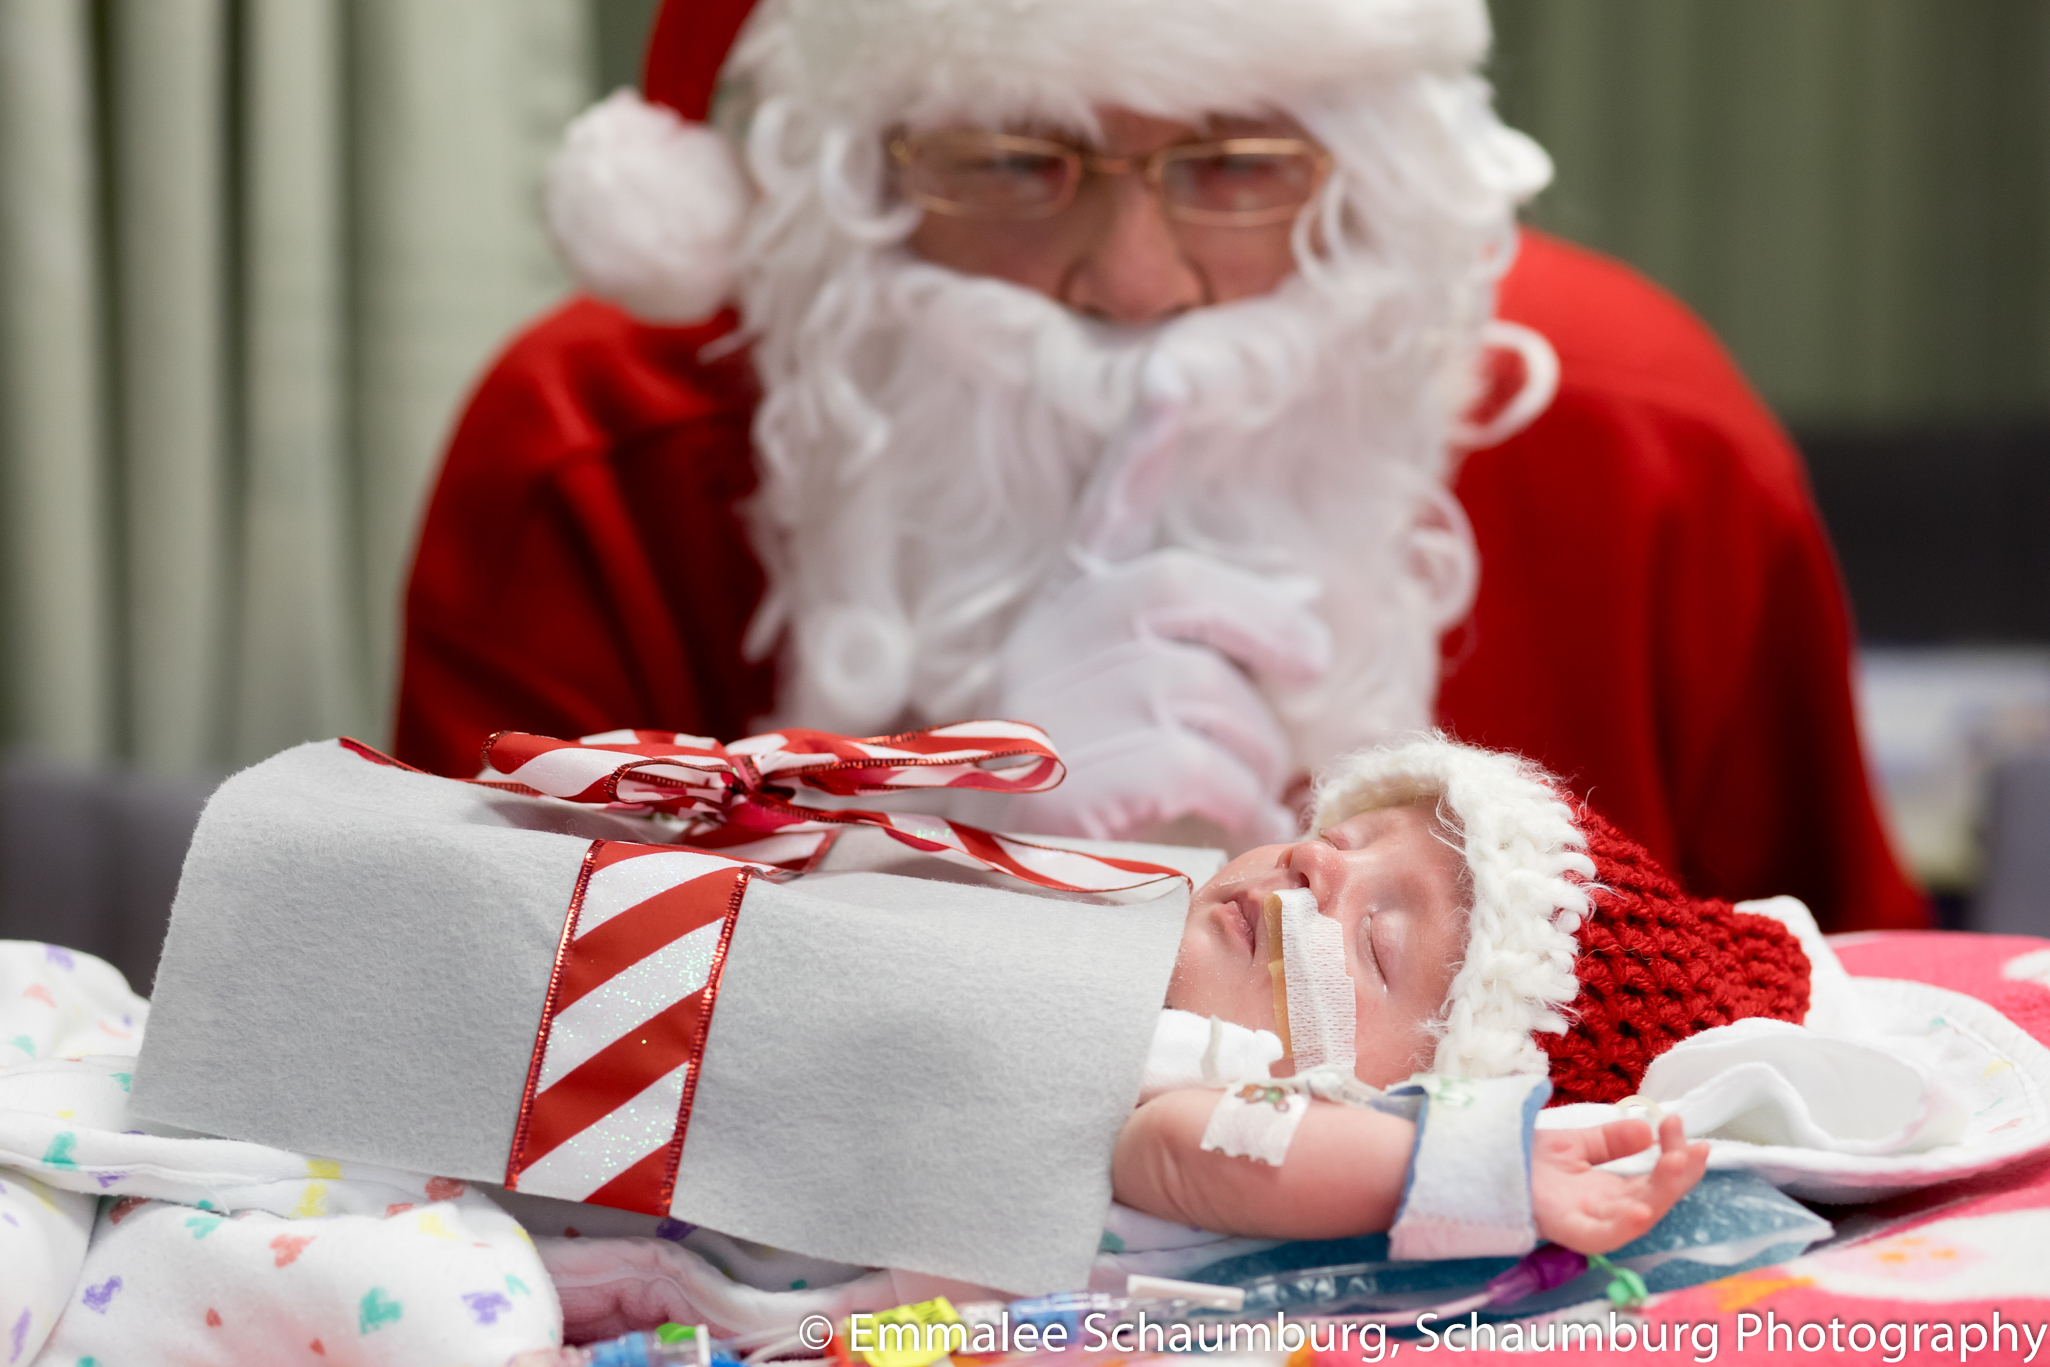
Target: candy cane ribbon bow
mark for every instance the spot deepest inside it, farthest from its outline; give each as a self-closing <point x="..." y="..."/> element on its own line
<point x="737" y="799"/>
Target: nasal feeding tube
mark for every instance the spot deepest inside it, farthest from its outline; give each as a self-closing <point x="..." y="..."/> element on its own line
<point x="1314" y="1009"/>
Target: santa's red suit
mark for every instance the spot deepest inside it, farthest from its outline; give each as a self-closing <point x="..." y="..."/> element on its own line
<point x="1659" y="618"/>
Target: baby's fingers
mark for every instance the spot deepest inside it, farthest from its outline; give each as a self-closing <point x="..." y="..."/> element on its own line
<point x="1679" y="1167"/>
<point x="1599" y="1222"/>
<point x="1617" y="1139"/>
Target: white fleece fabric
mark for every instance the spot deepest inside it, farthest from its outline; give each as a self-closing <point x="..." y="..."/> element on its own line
<point x="1022" y="1020"/>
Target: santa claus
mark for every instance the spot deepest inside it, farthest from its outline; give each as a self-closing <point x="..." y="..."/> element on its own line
<point x="1172" y="375"/>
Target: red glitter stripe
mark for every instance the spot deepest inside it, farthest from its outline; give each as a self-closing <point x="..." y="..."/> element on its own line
<point x="628" y="1066"/>
<point x="374" y="755"/>
<point x="642" y="1187"/>
<point x="985" y="846"/>
<point x="667" y="1195"/>
<point x="615" y="1075"/>
<point x="641" y="930"/>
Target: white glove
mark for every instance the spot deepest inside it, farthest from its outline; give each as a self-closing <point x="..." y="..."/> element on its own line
<point x="1144" y="674"/>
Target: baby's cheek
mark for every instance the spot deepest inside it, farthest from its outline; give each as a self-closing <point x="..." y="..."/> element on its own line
<point x="1194" y="989"/>
<point x="1389" y="1050"/>
<point x="1207" y="990"/>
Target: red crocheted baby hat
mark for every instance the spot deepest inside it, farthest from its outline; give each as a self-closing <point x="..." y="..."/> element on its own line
<point x="1583" y="957"/>
<point x="1656" y="966"/>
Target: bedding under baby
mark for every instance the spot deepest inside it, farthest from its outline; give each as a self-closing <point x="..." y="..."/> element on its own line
<point x="228" y="1251"/>
<point x="376" y="1073"/>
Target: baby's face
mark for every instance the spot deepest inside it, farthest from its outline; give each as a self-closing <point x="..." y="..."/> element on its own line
<point x="1391" y="879"/>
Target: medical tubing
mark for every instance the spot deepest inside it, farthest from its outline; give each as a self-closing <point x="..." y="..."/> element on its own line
<point x="672" y="1345"/>
<point x="1541" y="1269"/>
<point x="1075" y="1311"/>
<point x="1084" y="1317"/>
<point x="1354" y="1291"/>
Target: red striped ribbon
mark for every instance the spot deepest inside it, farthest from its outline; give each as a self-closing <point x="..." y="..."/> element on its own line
<point x="738" y="794"/>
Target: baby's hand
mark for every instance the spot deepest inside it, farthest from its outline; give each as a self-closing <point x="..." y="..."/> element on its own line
<point x="1590" y="1211"/>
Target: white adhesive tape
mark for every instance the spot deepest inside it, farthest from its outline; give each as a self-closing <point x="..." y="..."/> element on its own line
<point x="1321" y="1011"/>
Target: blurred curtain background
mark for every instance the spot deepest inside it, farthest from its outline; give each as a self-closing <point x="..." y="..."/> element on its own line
<point x="252" y="252"/>
<point x="1854" y="193"/>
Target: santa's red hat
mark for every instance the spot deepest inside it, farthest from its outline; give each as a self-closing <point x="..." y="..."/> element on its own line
<point x="647" y="200"/>
<point x="1583" y="958"/>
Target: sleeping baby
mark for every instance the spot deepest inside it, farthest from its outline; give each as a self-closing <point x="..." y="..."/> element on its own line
<point x="1395" y="894"/>
<point x="1454" y="915"/>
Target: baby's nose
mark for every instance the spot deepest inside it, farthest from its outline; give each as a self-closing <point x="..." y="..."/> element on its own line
<point x="1322" y="870"/>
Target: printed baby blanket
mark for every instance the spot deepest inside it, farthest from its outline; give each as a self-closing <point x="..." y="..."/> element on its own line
<point x="120" y="1246"/>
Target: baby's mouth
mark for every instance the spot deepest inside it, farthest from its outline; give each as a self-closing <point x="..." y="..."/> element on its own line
<point x="1248" y="911"/>
<point x="1246" y="907"/>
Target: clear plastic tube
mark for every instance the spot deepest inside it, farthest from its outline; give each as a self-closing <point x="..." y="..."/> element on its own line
<point x="1080" y="1317"/>
<point x="672" y="1345"/>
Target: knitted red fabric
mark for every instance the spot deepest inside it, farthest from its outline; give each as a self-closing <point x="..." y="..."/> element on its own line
<point x="1657" y="966"/>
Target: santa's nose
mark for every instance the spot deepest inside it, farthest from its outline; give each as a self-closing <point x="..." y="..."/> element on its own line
<point x="1134" y="271"/>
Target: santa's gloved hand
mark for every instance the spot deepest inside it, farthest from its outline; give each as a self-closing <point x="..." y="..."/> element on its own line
<point x="1144" y="674"/>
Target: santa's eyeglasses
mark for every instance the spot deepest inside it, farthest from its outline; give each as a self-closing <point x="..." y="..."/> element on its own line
<point x="1229" y="182"/>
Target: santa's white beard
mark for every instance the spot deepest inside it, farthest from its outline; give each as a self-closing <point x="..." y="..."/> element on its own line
<point x="943" y="458"/>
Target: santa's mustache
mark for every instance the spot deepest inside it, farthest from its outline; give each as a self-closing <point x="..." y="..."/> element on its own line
<point x="945" y="457"/>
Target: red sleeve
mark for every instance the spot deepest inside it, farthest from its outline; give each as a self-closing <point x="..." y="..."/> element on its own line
<point x="1660" y="619"/>
<point x="581" y="566"/>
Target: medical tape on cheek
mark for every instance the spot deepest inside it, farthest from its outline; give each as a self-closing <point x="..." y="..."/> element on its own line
<point x="1320" y="1009"/>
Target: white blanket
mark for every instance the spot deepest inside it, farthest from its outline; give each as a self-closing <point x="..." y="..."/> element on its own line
<point x="130" y="1248"/>
<point x="1887" y="1087"/>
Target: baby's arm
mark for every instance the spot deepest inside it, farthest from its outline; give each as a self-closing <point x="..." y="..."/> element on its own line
<point x="1344" y="1173"/>
<point x="1346" y="1169"/>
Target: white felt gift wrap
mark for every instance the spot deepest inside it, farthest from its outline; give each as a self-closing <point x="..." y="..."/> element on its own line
<point x="861" y="1066"/>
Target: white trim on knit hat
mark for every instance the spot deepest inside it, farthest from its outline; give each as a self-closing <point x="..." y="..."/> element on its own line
<point x="1530" y="874"/>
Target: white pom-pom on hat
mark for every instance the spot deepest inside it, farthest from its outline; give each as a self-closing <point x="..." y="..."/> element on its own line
<point x="647" y="209"/>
